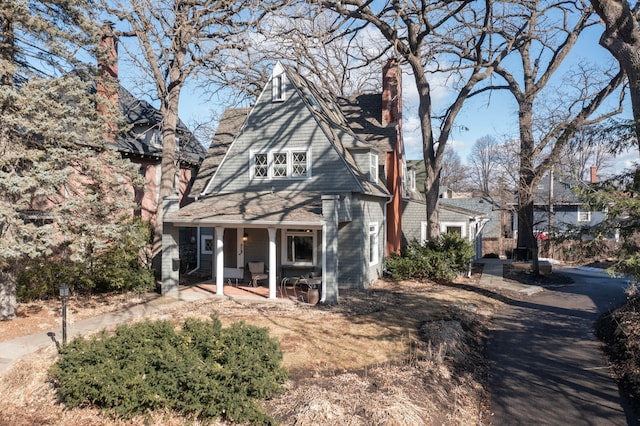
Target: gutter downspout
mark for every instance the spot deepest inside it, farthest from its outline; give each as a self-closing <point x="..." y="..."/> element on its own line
<point x="384" y="226"/>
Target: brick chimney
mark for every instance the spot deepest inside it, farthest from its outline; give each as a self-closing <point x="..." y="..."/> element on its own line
<point x="107" y="81"/>
<point x="594" y="174"/>
<point x="392" y="113"/>
<point x="391" y="92"/>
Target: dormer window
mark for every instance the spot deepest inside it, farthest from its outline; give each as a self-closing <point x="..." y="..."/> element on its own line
<point x="373" y="167"/>
<point x="277" y="87"/>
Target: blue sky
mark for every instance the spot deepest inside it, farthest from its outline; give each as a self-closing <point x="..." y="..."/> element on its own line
<point x="478" y="117"/>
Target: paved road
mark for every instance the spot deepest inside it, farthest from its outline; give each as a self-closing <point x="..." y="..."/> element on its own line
<point x="547" y="367"/>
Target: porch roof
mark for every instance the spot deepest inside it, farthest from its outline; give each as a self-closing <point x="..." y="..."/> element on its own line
<point x="251" y="209"/>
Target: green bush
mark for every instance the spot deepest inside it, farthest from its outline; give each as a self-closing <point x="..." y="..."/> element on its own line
<point x="199" y="370"/>
<point x="114" y="268"/>
<point x="440" y="259"/>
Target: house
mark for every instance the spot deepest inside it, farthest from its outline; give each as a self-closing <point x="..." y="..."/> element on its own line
<point x="141" y="142"/>
<point x="301" y="182"/>
<point x="558" y="209"/>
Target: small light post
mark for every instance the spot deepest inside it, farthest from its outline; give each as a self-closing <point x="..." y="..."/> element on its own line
<point x="64" y="293"/>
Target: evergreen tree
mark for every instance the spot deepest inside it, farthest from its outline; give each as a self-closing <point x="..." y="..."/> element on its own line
<point x="63" y="192"/>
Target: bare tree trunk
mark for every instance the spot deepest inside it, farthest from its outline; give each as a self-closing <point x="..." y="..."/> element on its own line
<point x="622" y="39"/>
<point x="169" y="112"/>
<point x="8" y="300"/>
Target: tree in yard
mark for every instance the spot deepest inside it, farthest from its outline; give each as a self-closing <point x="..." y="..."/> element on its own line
<point x="450" y="39"/>
<point x="454" y="174"/>
<point x="546" y="125"/>
<point x="484" y="163"/>
<point x="621" y="37"/>
<point x="591" y="146"/>
<point x="62" y="193"/>
<point x="178" y="39"/>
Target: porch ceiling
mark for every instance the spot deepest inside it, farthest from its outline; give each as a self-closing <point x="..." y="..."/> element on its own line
<point x="252" y="208"/>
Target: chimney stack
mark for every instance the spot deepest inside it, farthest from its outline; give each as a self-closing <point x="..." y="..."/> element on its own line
<point x="391" y="92"/>
<point x="107" y="85"/>
<point x="594" y="174"/>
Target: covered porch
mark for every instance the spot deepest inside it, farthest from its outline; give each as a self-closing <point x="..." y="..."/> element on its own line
<point x="281" y="237"/>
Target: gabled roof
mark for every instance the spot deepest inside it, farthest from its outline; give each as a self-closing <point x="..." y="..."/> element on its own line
<point x="333" y="122"/>
<point x="364" y="116"/>
<point x="328" y="116"/>
<point x="563" y="191"/>
<point x="137" y="112"/>
<point x="228" y="128"/>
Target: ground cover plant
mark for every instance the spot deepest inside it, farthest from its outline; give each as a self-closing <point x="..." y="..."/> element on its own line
<point x="199" y="370"/>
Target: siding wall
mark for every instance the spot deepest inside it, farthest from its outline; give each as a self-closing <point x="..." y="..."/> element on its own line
<point x="413" y="214"/>
<point x="283" y="125"/>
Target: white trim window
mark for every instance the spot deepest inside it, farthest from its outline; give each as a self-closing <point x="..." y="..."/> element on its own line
<point x="584" y="215"/>
<point x="277" y="88"/>
<point x="207" y="244"/>
<point x="459" y="228"/>
<point x="373" y="167"/>
<point x="282" y="164"/>
<point x="299" y="247"/>
<point x="412" y="179"/>
<point x="373" y="243"/>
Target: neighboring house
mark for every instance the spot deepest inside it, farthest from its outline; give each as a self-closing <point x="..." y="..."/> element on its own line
<point x="142" y="141"/>
<point x="470" y="214"/>
<point x="559" y="209"/>
<point x="301" y="182"/>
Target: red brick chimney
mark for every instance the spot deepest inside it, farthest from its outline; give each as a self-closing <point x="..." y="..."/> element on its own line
<point x="392" y="113"/>
<point x="107" y="82"/>
<point x="594" y="174"/>
<point x="391" y="92"/>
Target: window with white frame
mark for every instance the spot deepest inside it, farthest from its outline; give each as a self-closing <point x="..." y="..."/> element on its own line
<point x="373" y="167"/>
<point x="373" y="243"/>
<point x="281" y="164"/>
<point x="412" y="180"/>
<point x="207" y="244"/>
<point x="299" y="247"/>
<point x="584" y="215"/>
<point x="278" y="87"/>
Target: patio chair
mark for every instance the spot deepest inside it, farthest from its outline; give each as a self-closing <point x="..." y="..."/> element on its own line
<point x="257" y="273"/>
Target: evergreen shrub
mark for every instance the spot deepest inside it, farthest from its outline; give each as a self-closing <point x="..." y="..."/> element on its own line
<point x="117" y="267"/>
<point x="440" y="259"/>
<point x="199" y="370"/>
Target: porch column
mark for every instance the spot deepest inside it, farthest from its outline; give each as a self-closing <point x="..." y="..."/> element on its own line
<point x="272" y="263"/>
<point x="330" y="249"/>
<point x="219" y="261"/>
<point x="170" y="253"/>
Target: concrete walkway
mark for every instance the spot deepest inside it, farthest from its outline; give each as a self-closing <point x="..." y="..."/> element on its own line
<point x="492" y="278"/>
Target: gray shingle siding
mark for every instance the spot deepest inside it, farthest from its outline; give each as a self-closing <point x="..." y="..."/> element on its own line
<point x="413" y="214"/>
<point x="277" y="126"/>
<point x="353" y="243"/>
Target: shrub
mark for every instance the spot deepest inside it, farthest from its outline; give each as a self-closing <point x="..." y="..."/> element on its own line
<point x="199" y="370"/>
<point x="440" y="259"/>
<point x="114" y="268"/>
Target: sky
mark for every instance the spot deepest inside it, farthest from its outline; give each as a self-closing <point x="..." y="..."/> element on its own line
<point x="478" y="118"/>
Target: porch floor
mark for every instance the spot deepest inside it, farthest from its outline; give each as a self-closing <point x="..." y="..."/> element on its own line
<point x="206" y="289"/>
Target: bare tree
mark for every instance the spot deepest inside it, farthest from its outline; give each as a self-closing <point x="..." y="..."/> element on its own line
<point x="452" y="38"/>
<point x="454" y="174"/>
<point x="545" y="128"/>
<point x="622" y="38"/>
<point x="178" y="39"/>
<point x="588" y="147"/>
<point x="484" y="163"/>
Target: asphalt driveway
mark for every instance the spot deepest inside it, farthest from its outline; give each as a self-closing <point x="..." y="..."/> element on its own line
<point x="547" y="366"/>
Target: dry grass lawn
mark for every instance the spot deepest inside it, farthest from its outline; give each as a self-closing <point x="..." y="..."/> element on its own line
<point x="404" y="353"/>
